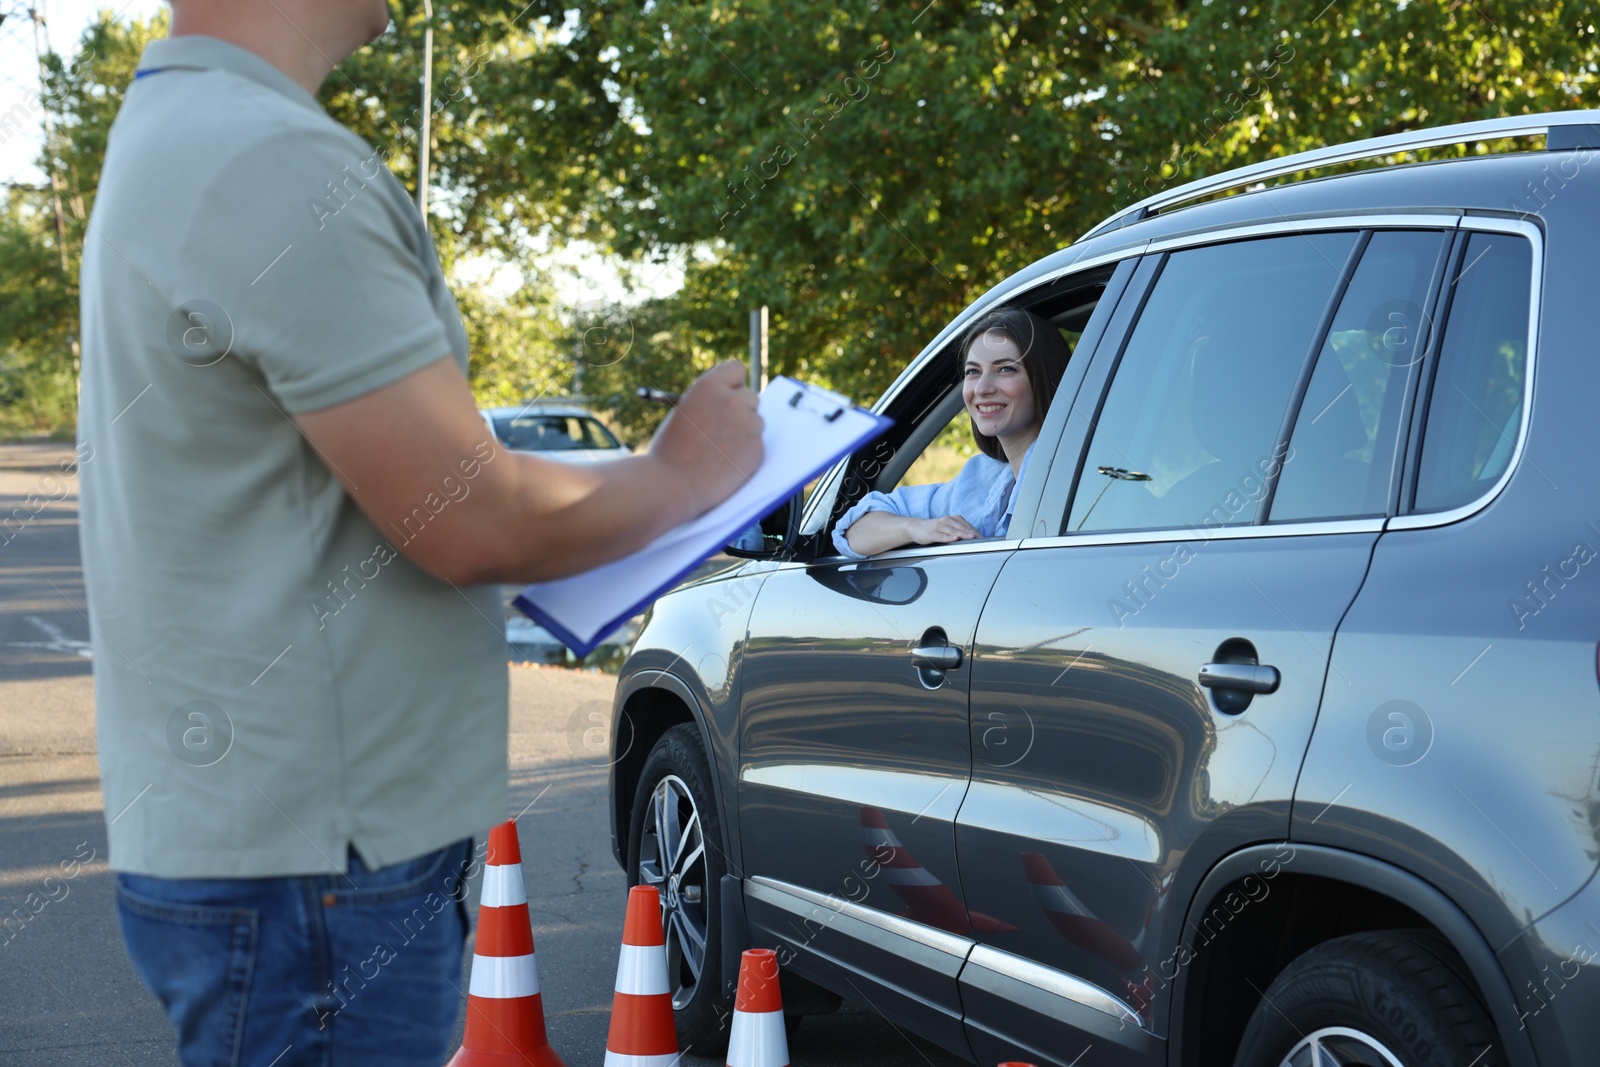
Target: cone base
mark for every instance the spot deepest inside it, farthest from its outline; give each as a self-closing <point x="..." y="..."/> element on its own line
<point x="545" y="1057"/>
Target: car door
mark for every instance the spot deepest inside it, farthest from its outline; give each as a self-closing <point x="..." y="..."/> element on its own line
<point x="853" y="761"/>
<point x="854" y="749"/>
<point x="1147" y="669"/>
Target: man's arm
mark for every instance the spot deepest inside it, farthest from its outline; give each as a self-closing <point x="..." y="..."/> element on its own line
<point x="513" y="517"/>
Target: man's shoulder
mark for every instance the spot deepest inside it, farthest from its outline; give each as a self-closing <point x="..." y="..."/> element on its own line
<point x="223" y="119"/>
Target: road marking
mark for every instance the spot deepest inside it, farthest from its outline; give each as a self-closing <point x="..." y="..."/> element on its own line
<point x="59" y="641"/>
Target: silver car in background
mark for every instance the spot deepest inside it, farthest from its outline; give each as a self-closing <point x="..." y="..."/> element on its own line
<point x="562" y="432"/>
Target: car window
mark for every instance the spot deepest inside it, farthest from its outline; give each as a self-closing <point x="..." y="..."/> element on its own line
<point x="945" y="455"/>
<point x="597" y="435"/>
<point x="1475" y="406"/>
<point x="551" y="433"/>
<point x="1188" y="430"/>
<point x="1341" y="457"/>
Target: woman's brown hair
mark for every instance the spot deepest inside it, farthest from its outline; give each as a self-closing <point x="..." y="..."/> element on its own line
<point x="1044" y="358"/>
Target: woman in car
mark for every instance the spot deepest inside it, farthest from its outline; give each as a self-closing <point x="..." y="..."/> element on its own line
<point x="1011" y="362"/>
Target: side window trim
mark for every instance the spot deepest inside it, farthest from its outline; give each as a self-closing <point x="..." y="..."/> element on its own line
<point x="1534" y="234"/>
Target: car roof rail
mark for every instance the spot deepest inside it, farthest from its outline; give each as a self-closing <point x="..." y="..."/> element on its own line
<point x="1370" y="148"/>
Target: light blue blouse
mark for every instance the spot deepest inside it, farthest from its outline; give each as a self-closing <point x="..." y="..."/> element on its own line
<point x="984" y="493"/>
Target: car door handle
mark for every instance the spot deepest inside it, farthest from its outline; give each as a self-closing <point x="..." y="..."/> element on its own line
<point x="936" y="657"/>
<point x="1245" y="677"/>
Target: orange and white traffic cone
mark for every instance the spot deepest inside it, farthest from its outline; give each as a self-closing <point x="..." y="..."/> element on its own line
<point x="642" y="1031"/>
<point x="927" y="899"/>
<point x="757" y="1038"/>
<point x="505" y="1012"/>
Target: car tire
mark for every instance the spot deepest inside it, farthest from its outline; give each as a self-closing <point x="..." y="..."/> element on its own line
<point x="1394" y="998"/>
<point x="674" y="799"/>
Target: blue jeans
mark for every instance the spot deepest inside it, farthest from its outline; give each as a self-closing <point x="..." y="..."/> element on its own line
<point x="317" y="971"/>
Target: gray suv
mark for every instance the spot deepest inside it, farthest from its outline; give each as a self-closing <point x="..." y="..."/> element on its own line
<point x="1270" y="733"/>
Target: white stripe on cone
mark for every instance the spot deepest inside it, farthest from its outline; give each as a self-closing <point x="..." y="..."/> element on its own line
<point x="642" y="970"/>
<point x="622" y="1059"/>
<point x="502" y="886"/>
<point x="504" y="977"/>
<point x="758" y="1040"/>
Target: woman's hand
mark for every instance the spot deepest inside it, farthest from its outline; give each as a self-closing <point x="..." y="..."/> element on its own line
<point x="941" y="531"/>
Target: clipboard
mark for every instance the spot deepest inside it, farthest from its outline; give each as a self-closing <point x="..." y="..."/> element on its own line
<point x="806" y="429"/>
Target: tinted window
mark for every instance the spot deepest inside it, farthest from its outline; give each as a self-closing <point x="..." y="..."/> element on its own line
<point x="1341" y="457"/>
<point x="547" y="433"/>
<point x="1188" y="430"/>
<point x="1475" y="408"/>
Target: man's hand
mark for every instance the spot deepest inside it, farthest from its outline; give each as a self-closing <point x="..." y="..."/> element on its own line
<point x="713" y="436"/>
<point x="942" y="530"/>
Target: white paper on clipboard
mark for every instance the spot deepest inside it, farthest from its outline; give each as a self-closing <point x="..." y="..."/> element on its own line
<point x="805" y="431"/>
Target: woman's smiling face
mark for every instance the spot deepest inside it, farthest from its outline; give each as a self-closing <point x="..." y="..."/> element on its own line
<point x="995" y="386"/>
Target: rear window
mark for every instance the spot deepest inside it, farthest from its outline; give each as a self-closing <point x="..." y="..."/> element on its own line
<point x="552" y="433"/>
<point x="1475" y="406"/>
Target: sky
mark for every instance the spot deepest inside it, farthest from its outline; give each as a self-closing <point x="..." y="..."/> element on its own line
<point x="19" y="71"/>
<point x="579" y="275"/>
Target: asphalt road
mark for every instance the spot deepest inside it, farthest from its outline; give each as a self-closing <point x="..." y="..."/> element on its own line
<point x="67" y="993"/>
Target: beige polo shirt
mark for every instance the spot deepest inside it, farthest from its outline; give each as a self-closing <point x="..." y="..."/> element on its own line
<point x="273" y="681"/>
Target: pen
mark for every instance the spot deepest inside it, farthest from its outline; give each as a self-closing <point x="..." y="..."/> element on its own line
<point x="660" y="396"/>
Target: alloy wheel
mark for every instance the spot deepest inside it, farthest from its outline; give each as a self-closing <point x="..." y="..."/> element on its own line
<point x="672" y="859"/>
<point x="1340" y="1046"/>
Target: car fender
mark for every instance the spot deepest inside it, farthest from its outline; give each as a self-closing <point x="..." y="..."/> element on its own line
<point x="1380" y="877"/>
<point x="690" y="649"/>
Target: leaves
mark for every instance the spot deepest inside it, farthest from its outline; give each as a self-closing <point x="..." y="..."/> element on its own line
<point x="865" y="170"/>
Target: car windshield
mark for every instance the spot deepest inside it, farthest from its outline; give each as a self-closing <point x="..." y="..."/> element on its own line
<point x="552" y="433"/>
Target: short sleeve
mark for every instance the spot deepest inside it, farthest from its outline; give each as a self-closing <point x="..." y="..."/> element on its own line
<point x="327" y="287"/>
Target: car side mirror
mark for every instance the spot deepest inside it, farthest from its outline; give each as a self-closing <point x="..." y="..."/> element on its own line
<point x="768" y="538"/>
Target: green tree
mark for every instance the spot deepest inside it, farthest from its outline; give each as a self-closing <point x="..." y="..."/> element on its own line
<point x="866" y="170"/>
<point x="489" y="196"/>
<point x="38" y="299"/>
<point x="1219" y="86"/>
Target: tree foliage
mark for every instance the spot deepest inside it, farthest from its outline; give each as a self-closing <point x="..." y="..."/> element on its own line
<point x="864" y="169"/>
<point x="38" y="296"/>
<point x="870" y="198"/>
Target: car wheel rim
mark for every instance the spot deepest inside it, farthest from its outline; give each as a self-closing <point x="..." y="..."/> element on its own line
<point x="1339" y="1046"/>
<point x="672" y="858"/>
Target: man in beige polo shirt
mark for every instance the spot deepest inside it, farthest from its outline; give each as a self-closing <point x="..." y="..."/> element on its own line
<point x="274" y="391"/>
